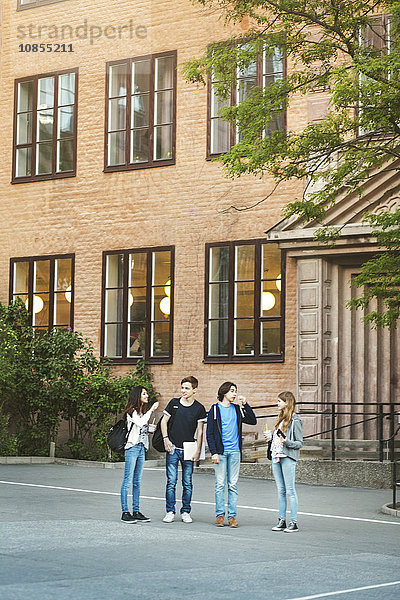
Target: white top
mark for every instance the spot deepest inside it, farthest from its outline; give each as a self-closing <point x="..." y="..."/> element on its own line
<point x="138" y="422"/>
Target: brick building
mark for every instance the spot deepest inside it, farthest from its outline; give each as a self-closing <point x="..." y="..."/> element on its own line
<point x="116" y="221"/>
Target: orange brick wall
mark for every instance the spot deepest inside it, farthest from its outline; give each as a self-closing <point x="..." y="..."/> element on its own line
<point x="186" y="205"/>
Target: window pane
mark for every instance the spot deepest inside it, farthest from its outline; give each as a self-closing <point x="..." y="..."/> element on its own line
<point x="23" y="297"/>
<point x="65" y="155"/>
<point x="140" y="111"/>
<point x="25" y="96"/>
<point x="117" y="80"/>
<point x="161" y="304"/>
<point x="113" y="340"/>
<point x="160" y="339"/>
<point x="116" y="148"/>
<point x="273" y="61"/>
<point x="62" y="309"/>
<point x="23" y="167"/>
<point x="219" y="263"/>
<point x="244" y="337"/>
<point x="139" y="145"/>
<point x="136" y="339"/>
<point x="275" y="124"/>
<point x="270" y="337"/>
<point x="249" y="70"/>
<point x="163" y="142"/>
<point x="45" y="125"/>
<point x="217" y="103"/>
<point x="137" y="269"/>
<point x="220" y="136"/>
<point x="40" y="312"/>
<point x="271" y="261"/>
<point x="163" y="107"/>
<point x="270" y="299"/>
<point x="164" y="72"/>
<point x="24" y="128"/>
<point x="141" y="76"/>
<point x="113" y="305"/>
<point x="244" y="299"/>
<point x="44" y="158"/>
<point x="21" y="277"/>
<point x="244" y="262"/>
<point x="244" y="88"/>
<point x="218" y="302"/>
<point x="161" y="268"/>
<point x="117" y="114"/>
<point x="218" y="338"/>
<point x="46" y="93"/>
<point x="137" y="304"/>
<point x="114" y="270"/>
<point x="66" y="89"/>
<point x="41" y="276"/>
<point x="62" y="274"/>
<point x="65" y="125"/>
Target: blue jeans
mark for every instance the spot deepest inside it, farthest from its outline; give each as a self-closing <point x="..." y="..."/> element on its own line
<point x="227" y="471"/>
<point x="171" y="464"/>
<point x="284" y="474"/>
<point x="134" y="463"/>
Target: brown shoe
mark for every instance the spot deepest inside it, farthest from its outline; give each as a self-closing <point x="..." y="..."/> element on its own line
<point x="219" y="521"/>
<point x="232" y="522"/>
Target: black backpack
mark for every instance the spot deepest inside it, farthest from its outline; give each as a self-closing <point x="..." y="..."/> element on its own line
<point x="158" y="441"/>
<point x="117" y="436"/>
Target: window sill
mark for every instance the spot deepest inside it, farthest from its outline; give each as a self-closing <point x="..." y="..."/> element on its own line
<point x="30" y="6"/>
<point x="276" y="358"/>
<point x="135" y="167"/>
<point x="134" y="361"/>
<point x="17" y="180"/>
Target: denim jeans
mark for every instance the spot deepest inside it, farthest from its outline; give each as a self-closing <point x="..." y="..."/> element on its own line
<point x="134" y="463"/>
<point x="284" y="474"/>
<point x="172" y="462"/>
<point x="227" y="471"/>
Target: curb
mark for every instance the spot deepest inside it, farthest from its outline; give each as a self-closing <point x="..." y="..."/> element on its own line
<point x="72" y="462"/>
<point x="390" y="511"/>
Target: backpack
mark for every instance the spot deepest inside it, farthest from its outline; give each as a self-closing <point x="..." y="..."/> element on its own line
<point x="158" y="441"/>
<point x="117" y="436"/>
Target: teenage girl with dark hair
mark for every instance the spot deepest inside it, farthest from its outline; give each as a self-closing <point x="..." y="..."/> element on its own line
<point x="137" y="413"/>
<point x="287" y="439"/>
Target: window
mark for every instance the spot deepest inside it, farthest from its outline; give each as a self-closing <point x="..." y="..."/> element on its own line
<point x="141" y="107"/>
<point x="244" y="302"/>
<point x="22" y="4"/>
<point x="264" y="71"/>
<point x="46" y="287"/>
<point x="138" y="304"/>
<point x="45" y="127"/>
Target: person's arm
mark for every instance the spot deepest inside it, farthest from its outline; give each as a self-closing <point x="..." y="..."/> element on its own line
<point x="210" y="435"/>
<point x="164" y="430"/>
<point x="141" y="420"/>
<point x="248" y="417"/>
<point x="199" y="438"/>
<point x="297" y="442"/>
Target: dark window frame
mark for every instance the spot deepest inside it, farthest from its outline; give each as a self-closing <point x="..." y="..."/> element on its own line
<point x="152" y="163"/>
<point x="258" y="319"/>
<point x="54" y="175"/>
<point x="36" y="4"/>
<point x="52" y="258"/>
<point x="233" y="98"/>
<point x="131" y="360"/>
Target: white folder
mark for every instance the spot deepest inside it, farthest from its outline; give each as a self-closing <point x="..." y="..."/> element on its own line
<point x="189" y="450"/>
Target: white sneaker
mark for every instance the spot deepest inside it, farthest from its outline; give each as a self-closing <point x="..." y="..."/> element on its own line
<point x="186" y="518"/>
<point x="169" y="517"/>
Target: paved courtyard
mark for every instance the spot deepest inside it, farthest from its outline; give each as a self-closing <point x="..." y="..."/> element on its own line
<point x="61" y="538"/>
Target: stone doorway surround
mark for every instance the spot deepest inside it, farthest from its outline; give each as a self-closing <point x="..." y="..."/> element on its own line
<point x="339" y="358"/>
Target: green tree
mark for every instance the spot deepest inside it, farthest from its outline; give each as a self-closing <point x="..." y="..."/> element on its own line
<point x="343" y="48"/>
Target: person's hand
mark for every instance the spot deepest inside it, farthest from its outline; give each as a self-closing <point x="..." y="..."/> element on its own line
<point x="196" y="456"/>
<point x="215" y="459"/>
<point x="155" y="406"/>
<point x="241" y="400"/>
<point x="267" y="435"/>
<point x="167" y="444"/>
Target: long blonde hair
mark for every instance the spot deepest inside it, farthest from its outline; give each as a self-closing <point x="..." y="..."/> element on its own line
<point x="286" y="413"/>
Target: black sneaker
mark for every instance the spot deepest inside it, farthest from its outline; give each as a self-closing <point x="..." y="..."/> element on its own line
<point x="281" y="525"/>
<point x="126" y="517"/>
<point x="291" y="528"/>
<point x="139" y="517"/>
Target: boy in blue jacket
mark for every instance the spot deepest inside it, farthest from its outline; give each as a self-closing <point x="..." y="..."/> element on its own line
<point x="224" y="438"/>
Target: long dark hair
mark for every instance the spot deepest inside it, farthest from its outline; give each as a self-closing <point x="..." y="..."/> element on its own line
<point x="134" y="402"/>
<point x="224" y="389"/>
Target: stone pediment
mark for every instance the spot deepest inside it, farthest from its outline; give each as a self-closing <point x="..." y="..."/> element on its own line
<point x="381" y="192"/>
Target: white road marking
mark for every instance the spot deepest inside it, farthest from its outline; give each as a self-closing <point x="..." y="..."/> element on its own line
<point x="349" y="591"/>
<point x="162" y="499"/>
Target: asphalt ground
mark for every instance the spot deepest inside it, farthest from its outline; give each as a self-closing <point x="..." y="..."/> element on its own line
<point x="61" y="538"/>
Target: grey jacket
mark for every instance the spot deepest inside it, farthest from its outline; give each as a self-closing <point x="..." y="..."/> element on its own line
<point x="294" y="438"/>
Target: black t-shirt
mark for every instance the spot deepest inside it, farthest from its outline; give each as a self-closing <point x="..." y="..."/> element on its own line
<point x="185" y="421"/>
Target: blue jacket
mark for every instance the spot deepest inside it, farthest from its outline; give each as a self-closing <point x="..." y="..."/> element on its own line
<point x="214" y="428"/>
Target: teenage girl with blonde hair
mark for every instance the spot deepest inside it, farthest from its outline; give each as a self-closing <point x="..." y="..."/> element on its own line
<point x="286" y="441"/>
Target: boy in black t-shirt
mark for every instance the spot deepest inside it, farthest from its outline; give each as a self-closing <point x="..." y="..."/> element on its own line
<point x="188" y="426"/>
